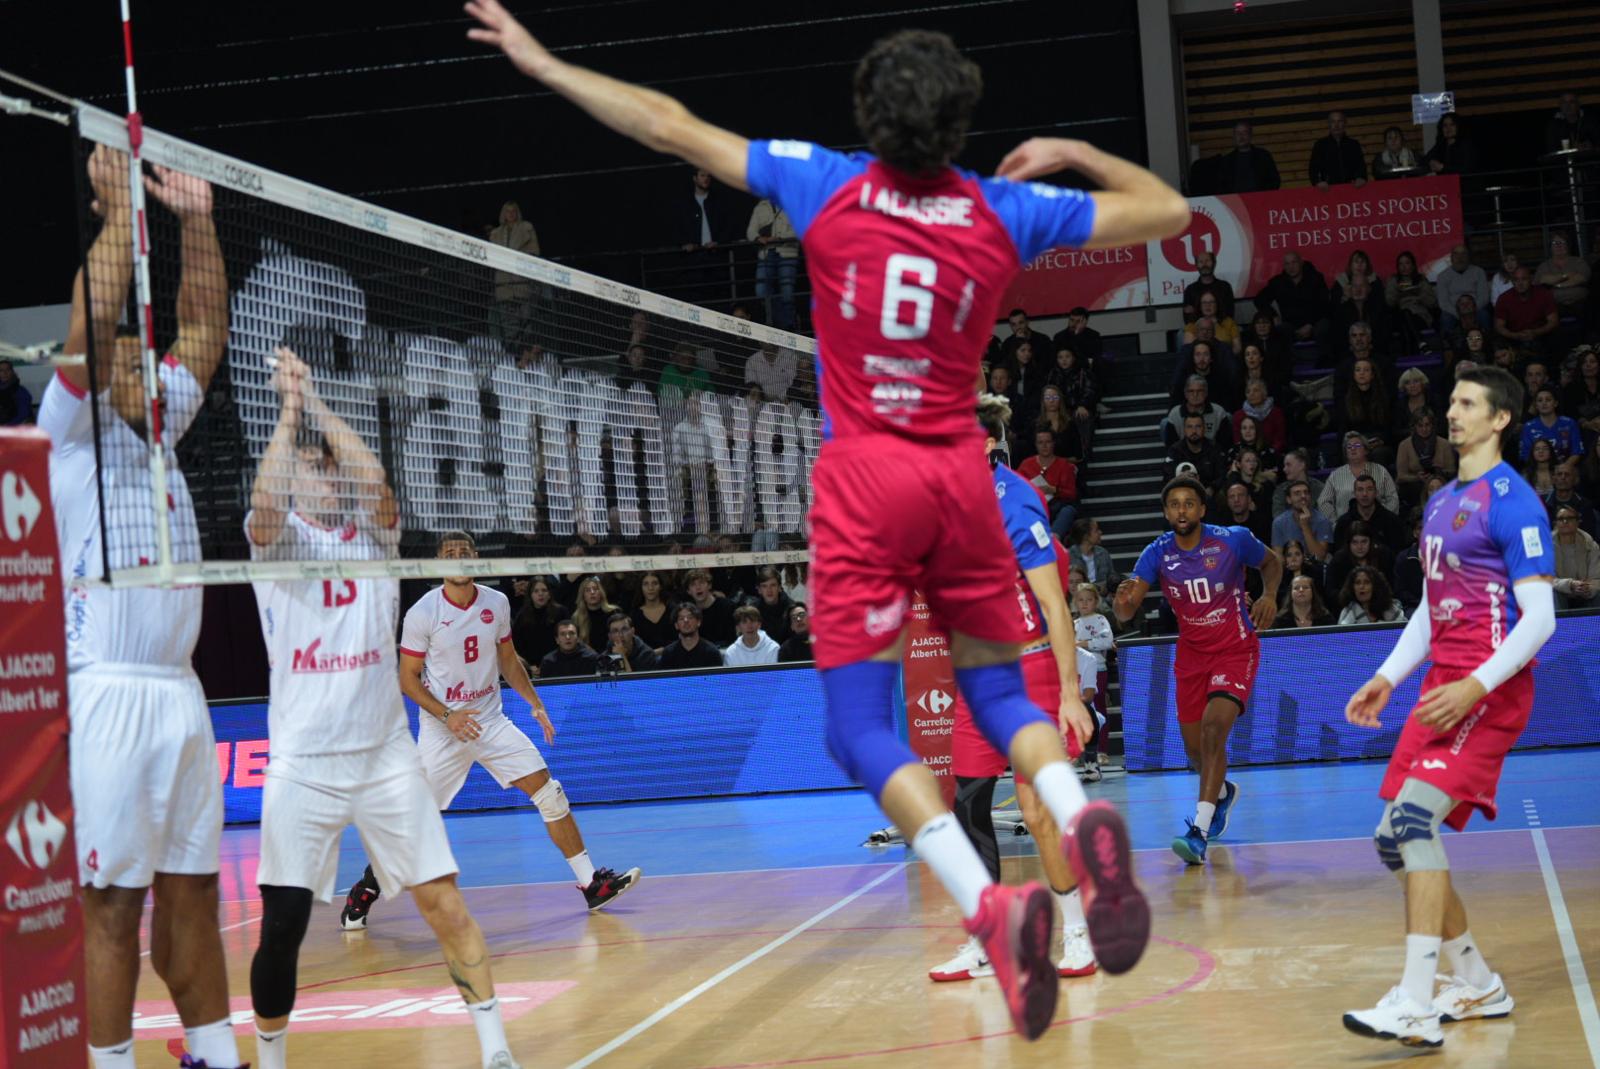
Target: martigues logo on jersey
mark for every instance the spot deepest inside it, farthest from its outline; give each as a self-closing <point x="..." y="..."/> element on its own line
<point x="312" y="659"/>
<point x="460" y="693"/>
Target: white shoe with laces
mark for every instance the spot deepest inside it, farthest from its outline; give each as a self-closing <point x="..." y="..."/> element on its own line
<point x="1397" y="1016"/>
<point x="1077" y="956"/>
<point x="503" y="1060"/>
<point x="1460" y="1001"/>
<point x="970" y="963"/>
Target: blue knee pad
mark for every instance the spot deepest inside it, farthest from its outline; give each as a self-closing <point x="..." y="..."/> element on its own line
<point x="1389" y="852"/>
<point x="999" y="702"/>
<point x="861" y="734"/>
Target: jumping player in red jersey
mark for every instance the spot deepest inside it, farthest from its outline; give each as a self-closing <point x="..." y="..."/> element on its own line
<point x="1201" y="571"/>
<point x="908" y="258"/>
<point x="1488" y="606"/>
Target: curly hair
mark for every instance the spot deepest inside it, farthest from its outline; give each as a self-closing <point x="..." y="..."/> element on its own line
<point x="914" y="98"/>
<point x="1382" y="594"/>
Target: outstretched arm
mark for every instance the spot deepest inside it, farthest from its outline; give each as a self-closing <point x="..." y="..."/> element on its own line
<point x="110" y="267"/>
<point x="653" y="119"/>
<point x="272" y="496"/>
<point x="1131" y="206"/>
<point x="356" y="461"/>
<point x="1130" y="595"/>
<point x="203" y="284"/>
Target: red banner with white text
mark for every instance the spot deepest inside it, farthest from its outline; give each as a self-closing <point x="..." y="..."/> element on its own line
<point x="42" y="1008"/>
<point x="930" y="693"/>
<point x="1249" y="233"/>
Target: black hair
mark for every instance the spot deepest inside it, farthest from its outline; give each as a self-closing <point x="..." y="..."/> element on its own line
<point x="914" y="98"/>
<point x="687" y="606"/>
<point x="1504" y="394"/>
<point x="1183" y="482"/>
<point x="457" y="536"/>
<point x="1017" y="312"/>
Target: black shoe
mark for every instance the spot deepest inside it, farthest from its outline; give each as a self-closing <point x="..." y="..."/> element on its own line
<point x="357" y="904"/>
<point x="608" y="884"/>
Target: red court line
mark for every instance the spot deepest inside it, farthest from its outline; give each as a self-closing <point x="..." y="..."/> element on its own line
<point x="1205" y="965"/>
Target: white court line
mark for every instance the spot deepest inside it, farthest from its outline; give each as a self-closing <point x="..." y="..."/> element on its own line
<point x="1569" y="943"/>
<point x="689" y="996"/>
<point x="226" y="928"/>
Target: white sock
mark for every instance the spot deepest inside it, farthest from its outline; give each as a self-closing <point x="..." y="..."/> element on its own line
<point x="119" y="1056"/>
<point x="948" y="852"/>
<point x="491" y="1029"/>
<point x="582" y="868"/>
<point x="272" y="1049"/>
<point x="1058" y="788"/>
<point x="214" y="1044"/>
<point x="1071" y="909"/>
<point x="1422" y="962"/>
<point x="1203" y="812"/>
<point x="1464" y="959"/>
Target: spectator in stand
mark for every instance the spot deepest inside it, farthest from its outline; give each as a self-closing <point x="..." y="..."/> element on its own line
<point x="1362" y="304"/>
<point x="1577" y="562"/>
<point x="1571" y="126"/>
<point x="1296" y="468"/>
<point x="1526" y="314"/>
<point x="1028" y="372"/>
<point x="1462" y="278"/>
<point x="16" y="403"/>
<point x="1247" y="168"/>
<point x="777" y="261"/>
<point x="1452" y="153"/>
<point x="1197" y="449"/>
<point x="1334" y="501"/>
<point x="1365" y="409"/>
<point x="1360" y="550"/>
<point x="1412" y="299"/>
<point x="1001" y="385"/>
<point x="1302" y="523"/>
<point x="1253" y="365"/>
<point x="1245" y="463"/>
<point x="773" y="604"/>
<point x="1503" y="280"/>
<point x="1383" y="524"/>
<point x="1296" y="563"/>
<point x="1422" y="453"/>
<point x="1216" y="421"/>
<point x="1087" y="555"/>
<point x="570" y="657"/>
<point x="592" y="608"/>
<point x="703" y="220"/>
<point x="691" y="649"/>
<point x="1021" y="331"/>
<point x="513" y="294"/>
<point x="1305" y="608"/>
<point x="1250" y="433"/>
<point x="1274" y="342"/>
<point x="1408" y="566"/>
<point x="1201" y="360"/>
<point x="1055" y="417"/>
<point x="798" y="647"/>
<point x="1300" y="297"/>
<point x="625" y="650"/>
<point x="533" y="630"/>
<point x="753" y="646"/>
<point x="1416" y="394"/>
<point x="1357" y="265"/>
<point x="1396" y="160"/>
<point x="1561" y="431"/>
<point x="772" y="368"/>
<point x="1222" y="329"/>
<point x="1467" y="314"/>
<point x="1337" y="159"/>
<point x="683" y="377"/>
<point x="1055" y="478"/>
<point x="1205" y="330"/>
<point x="1238" y="509"/>
<point x="1580" y="398"/>
<point x="1540" y="465"/>
<point x="1535" y="377"/>
<point x="634" y="369"/>
<point x="1367" y="599"/>
<point x="1567" y="276"/>
<point x="691" y="462"/>
<point x="1565" y="495"/>
<point x="651" y="616"/>
<point x="1208" y="282"/>
<point x="1094" y="635"/>
<point x="1084" y="340"/>
<point x="713" y="612"/>
<point x="1080" y="394"/>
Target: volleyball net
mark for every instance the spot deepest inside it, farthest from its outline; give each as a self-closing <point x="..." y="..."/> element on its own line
<point x="369" y="373"/>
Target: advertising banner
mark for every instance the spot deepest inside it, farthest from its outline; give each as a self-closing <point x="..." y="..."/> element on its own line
<point x="42" y="1004"/>
<point x="930" y="693"/>
<point x="1062" y="279"/>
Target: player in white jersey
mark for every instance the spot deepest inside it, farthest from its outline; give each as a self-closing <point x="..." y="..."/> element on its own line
<point x="447" y="668"/>
<point x="341" y="750"/>
<point x="147" y="803"/>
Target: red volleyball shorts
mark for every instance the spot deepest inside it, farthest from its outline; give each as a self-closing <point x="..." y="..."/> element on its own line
<point x="1231" y="673"/>
<point x="1465" y="761"/>
<point x="972" y="756"/>
<point x="890" y="516"/>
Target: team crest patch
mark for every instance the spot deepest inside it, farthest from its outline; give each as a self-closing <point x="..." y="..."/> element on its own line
<point x="1211" y="563"/>
<point x="487" y="616"/>
<point x="1502" y="487"/>
<point x="1460" y="521"/>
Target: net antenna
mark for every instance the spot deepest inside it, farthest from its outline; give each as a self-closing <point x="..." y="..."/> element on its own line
<point x="146" y="318"/>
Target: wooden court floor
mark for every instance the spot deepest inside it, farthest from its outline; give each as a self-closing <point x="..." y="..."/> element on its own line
<point x="823" y="961"/>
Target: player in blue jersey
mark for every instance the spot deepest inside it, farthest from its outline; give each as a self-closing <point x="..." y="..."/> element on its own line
<point x="908" y="258"/>
<point x="1488" y="606"/>
<point x="1201" y="571"/>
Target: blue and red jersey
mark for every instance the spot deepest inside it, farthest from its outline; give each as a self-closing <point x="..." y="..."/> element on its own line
<point x="1027" y="521"/>
<point x="1478" y="539"/>
<point x="907" y="274"/>
<point x="1205" y="585"/>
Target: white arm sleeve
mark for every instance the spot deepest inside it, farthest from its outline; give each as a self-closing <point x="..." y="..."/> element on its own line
<point x="1536" y="599"/>
<point x="1412" y="649"/>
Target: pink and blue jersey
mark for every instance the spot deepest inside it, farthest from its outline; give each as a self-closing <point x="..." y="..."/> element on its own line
<point x="1028" y="526"/>
<point x="1205" y="585"/>
<point x="1478" y="540"/>
<point x="907" y="274"/>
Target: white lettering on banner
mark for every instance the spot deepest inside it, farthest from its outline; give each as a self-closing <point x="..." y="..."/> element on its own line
<point x="27" y="593"/>
<point x="26" y="563"/>
<point x="43" y="894"/>
<point x="1067" y="259"/>
<point x="42" y="999"/>
<point x="27" y="665"/>
<point x="455" y="466"/>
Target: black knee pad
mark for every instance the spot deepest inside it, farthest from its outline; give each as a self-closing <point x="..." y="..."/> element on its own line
<point x="974" y="811"/>
<point x="285" y="916"/>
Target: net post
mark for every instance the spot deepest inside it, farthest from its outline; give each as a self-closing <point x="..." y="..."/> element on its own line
<point x="146" y="324"/>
